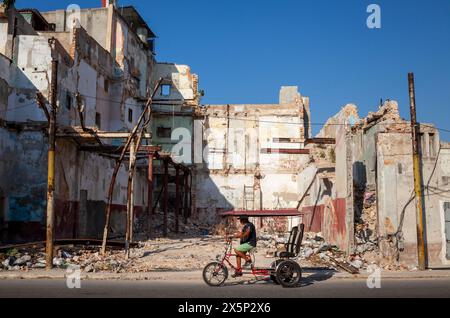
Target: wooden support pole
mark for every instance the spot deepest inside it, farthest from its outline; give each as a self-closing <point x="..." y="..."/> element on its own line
<point x="119" y="163"/>
<point x="418" y="182"/>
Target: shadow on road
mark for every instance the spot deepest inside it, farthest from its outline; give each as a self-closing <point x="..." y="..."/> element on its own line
<point x="315" y="275"/>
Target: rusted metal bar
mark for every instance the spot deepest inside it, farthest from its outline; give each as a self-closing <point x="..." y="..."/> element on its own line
<point x="190" y="195"/>
<point x="166" y="195"/>
<point x="149" y="193"/>
<point x="263" y="213"/>
<point x="186" y="196"/>
<point x="177" y="199"/>
<point x="41" y="103"/>
<point x="130" y="199"/>
<point x="119" y="163"/>
<point x="320" y="141"/>
<point x="83" y="126"/>
<point x="418" y="182"/>
<point x="307" y="191"/>
<point x="285" y="151"/>
<point x="51" y="166"/>
<point x="99" y="134"/>
<point x="158" y="199"/>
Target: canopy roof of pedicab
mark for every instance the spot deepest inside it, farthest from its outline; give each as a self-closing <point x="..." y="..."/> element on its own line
<point x="262" y="213"/>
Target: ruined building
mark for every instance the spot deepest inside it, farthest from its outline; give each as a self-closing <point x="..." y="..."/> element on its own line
<point x="249" y="156"/>
<point x="106" y="72"/>
<point x="365" y="201"/>
<point x="352" y="182"/>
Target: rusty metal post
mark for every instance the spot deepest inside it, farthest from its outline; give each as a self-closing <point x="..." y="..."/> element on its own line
<point x="177" y="199"/>
<point x="51" y="169"/>
<point x="166" y="195"/>
<point x="186" y="196"/>
<point x="418" y="182"/>
<point x="130" y="199"/>
<point x="149" y="193"/>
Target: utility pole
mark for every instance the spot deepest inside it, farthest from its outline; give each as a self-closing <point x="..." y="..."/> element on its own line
<point x="51" y="168"/>
<point x="418" y="183"/>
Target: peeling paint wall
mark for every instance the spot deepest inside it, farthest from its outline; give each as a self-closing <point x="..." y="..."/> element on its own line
<point x="233" y="138"/>
<point x="82" y="178"/>
<point x="395" y="192"/>
<point x="24" y="182"/>
<point x="12" y="23"/>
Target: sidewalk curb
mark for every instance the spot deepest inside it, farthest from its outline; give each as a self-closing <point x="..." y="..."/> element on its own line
<point x="196" y="275"/>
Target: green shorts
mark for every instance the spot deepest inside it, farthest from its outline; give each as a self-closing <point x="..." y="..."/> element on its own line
<point x="244" y="248"/>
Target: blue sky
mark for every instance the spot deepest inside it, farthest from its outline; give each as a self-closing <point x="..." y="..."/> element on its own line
<point x="244" y="51"/>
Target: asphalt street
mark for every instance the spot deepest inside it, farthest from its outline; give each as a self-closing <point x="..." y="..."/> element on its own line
<point x="331" y="288"/>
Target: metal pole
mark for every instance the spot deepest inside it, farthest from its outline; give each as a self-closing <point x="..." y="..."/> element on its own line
<point x="418" y="183"/>
<point x="186" y="196"/>
<point x="51" y="168"/>
<point x="166" y="195"/>
<point x="130" y="200"/>
<point x="177" y="199"/>
<point x="150" y="193"/>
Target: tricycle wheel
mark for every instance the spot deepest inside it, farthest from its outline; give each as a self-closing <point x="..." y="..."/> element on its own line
<point x="288" y="274"/>
<point x="273" y="267"/>
<point x="215" y="274"/>
<point x="274" y="279"/>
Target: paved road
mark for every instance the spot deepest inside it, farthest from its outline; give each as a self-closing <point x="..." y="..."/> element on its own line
<point x="160" y="289"/>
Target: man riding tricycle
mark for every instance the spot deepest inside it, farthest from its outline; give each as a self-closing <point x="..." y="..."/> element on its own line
<point x="284" y="271"/>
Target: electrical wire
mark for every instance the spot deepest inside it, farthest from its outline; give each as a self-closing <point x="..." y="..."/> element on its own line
<point x="245" y="119"/>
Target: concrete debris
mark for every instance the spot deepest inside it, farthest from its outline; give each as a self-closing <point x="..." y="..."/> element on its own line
<point x="357" y="263"/>
<point x="387" y="112"/>
<point x="23" y="260"/>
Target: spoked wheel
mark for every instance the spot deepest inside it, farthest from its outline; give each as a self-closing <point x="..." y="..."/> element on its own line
<point x="288" y="274"/>
<point x="273" y="268"/>
<point x="215" y="274"/>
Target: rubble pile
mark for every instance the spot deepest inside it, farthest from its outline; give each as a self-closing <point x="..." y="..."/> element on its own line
<point x="366" y="239"/>
<point x="389" y="112"/>
<point x="186" y="227"/>
<point x="177" y="253"/>
<point x="322" y="254"/>
<point x="87" y="258"/>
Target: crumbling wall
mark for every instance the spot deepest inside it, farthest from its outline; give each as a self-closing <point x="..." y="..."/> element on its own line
<point x="12" y="23"/>
<point x="183" y="83"/>
<point x="5" y="73"/>
<point x="396" y="203"/>
<point x="24" y="183"/>
<point x="240" y="149"/>
<point x="94" y="20"/>
<point x="82" y="178"/>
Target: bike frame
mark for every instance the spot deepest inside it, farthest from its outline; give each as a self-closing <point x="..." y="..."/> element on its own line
<point x="229" y="254"/>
